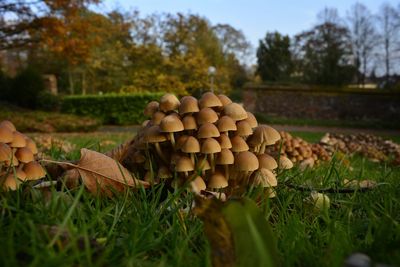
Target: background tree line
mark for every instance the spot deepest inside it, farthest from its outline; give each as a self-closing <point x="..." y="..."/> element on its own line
<point x="336" y="51"/>
<point x="91" y="52"/>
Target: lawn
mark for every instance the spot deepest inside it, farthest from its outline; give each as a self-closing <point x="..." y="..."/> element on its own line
<point x="149" y="227"/>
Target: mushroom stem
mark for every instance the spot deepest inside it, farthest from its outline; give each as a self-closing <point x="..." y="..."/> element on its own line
<point x="192" y="158"/>
<point x="172" y="139"/>
<point x="212" y="163"/>
<point x="262" y="149"/>
<point x="227" y="172"/>
<point x="160" y="153"/>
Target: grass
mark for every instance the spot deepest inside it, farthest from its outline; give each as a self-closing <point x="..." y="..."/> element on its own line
<point x="27" y="120"/>
<point x="146" y="228"/>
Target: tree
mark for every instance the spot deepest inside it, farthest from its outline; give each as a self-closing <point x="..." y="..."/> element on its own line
<point x="389" y="27"/>
<point x="324" y="52"/>
<point x="363" y="36"/>
<point x="274" y="58"/>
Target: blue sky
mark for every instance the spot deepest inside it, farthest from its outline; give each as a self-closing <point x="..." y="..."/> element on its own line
<point x="253" y="17"/>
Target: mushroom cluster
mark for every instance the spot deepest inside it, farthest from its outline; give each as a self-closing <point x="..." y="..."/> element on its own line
<point x="373" y="147"/>
<point x="299" y="150"/>
<point x="17" y="158"/>
<point x="211" y="143"/>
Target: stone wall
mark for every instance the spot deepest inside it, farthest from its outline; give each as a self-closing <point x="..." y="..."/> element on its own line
<point x="313" y="103"/>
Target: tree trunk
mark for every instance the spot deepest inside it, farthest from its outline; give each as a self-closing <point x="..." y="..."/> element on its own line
<point x="71" y="81"/>
<point x="83" y="83"/>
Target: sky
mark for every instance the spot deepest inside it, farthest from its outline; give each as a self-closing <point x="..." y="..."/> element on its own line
<point x="253" y="17"/>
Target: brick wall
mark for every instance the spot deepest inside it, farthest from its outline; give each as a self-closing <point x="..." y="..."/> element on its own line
<point x="315" y="103"/>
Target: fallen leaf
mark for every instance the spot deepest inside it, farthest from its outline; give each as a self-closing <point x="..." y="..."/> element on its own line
<point x="238" y="233"/>
<point x="102" y="174"/>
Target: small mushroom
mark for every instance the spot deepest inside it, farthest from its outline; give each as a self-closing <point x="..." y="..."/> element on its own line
<point x="207" y="130"/>
<point x="209" y="100"/>
<point x="189" y="104"/>
<point x="206" y="115"/>
<point x="33" y="170"/>
<point x="226" y="124"/>
<point x="5" y="152"/>
<point x="6" y="134"/>
<point x="238" y="144"/>
<point x="154" y="136"/>
<point x="251" y="120"/>
<point x="24" y="155"/>
<point x="198" y="185"/>
<point x="169" y="102"/>
<point x="8" y="124"/>
<point x="151" y="108"/>
<point x="18" y="140"/>
<point x="285" y="163"/>
<point x="191" y="146"/>
<point x="225" y="158"/>
<point x="157" y="117"/>
<point x="217" y="181"/>
<point x="210" y="146"/>
<point x="235" y="111"/>
<point x="170" y="125"/>
<point x="185" y="165"/>
<point x="224" y="100"/>
<point x="224" y="141"/>
<point x="267" y="162"/>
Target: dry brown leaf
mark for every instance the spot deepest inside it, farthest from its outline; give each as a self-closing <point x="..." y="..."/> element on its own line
<point x="102" y="174"/>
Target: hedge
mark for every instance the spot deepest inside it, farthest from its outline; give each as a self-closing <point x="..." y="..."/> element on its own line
<point x="116" y="109"/>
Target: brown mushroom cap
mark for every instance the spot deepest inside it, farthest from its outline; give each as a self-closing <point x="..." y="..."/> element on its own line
<point x="20" y="174"/>
<point x="184" y="164"/>
<point x="264" y="134"/>
<point x="24" y="155"/>
<point x="226" y="123"/>
<point x="8" y="124"/>
<point x="188" y="104"/>
<point x="189" y="123"/>
<point x="198" y="185"/>
<point x="207" y="130"/>
<point x="5" y="152"/>
<point x="235" y="111"/>
<point x="13" y="161"/>
<point x="153" y="134"/>
<point x="225" y="157"/>
<point x="151" y="108"/>
<point x="206" y="115"/>
<point x="210" y="146"/>
<point x="285" y="163"/>
<point x="157" y="117"/>
<point x="19" y="140"/>
<point x="246" y="161"/>
<point x="209" y="100"/>
<point x="191" y="145"/>
<point x="224" y="141"/>
<point x="6" y="134"/>
<point x="251" y="119"/>
<point x="164" y="173"/>
<point x="224" y="100"/>
<point x="33" y="170"/>
<point x="238" y="144"/>
<point x="267" y="162"/>
<point x="181" y="141"/>
<point x="11" y="182"/>
<point x="217" y="180"/>
<point x="171" y="124"/>
<point x="243" y="128"/>
<point x="203" y="164"/>
<point x="265" y="178"/>
<point x="169" y="102"/>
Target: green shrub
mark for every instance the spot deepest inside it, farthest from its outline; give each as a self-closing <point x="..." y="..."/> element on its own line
<point x="26" y="88"/>
<point x="48" y="101"/>
<point x="118" y="109"/>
